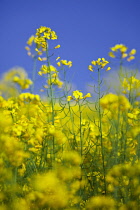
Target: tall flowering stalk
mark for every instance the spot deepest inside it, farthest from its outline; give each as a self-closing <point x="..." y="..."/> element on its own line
<point x="79" y="98"/>
<point x="99" y="65"/>
<point x="41" y="39"/>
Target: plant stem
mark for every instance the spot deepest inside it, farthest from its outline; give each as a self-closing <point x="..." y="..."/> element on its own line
<point x="100" y="129"/>
<point x="33" y="74"/>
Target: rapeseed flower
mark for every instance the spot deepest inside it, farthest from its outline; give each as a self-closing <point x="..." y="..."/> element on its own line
<point x="65" y="63"/>
<point x="120" y="50"/>
<point x="46" y="69"/>
<point x="78" y="95"/>
<point x="56" y="47"/>
<point x="100" y="63"/>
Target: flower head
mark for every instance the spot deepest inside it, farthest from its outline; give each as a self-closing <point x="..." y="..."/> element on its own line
<point x="78" y="95"/>
<point x="64" y="63"/>
<point x="100" y="63"/>
<point x="121" y="50"/>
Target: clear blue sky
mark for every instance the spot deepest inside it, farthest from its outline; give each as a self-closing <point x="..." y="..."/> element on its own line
<point x="86" y="30"/>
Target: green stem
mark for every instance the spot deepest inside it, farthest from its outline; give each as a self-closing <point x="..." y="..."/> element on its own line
<point x="51" y="95"/>
<point x="81" y="135"/>
<point x="100" y="130"/>
<point x="33" y="74"/>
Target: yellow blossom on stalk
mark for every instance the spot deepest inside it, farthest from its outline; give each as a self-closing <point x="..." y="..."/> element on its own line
<point x="132" y="52"/>
<point x="124" y="55"/>
<point x="40" y="39"/>
<point x="122" y="49"/>
<point x="39" y="58"/>
<point x="56" y="47"/>
<point x="30" y="40"/>
<point x="46" y="69"/>
<point x="54" y="80"/>
<point x="65" y="63"/>
<point x="88" y="95"/>
<point x="57" y="58"/>
<point x="27" y="48"/>
<point x="131" y="58"/>
<point x="41" y="42"/>
<point x="58" y="64"/>
<point x="90" y="67"/>
<point x="109" y="68"/>
<point x="100" y="63"/>
<point x="46" y="33"/>
<point x="38" y="51"/>
<point x="111" y="54"/>
<point x="77" y="95"/>
<point x="69" y="98"/>
<point x="42" y="59"/>
<point x="131" y="83"/>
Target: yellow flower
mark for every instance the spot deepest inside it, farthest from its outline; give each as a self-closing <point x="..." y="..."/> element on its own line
<point x="78" y="94"/>
<point x="108" y="68"/>
<point x="124" y="55"/>
<point x="122" y="49"/>
<point x="46" y="33"/>
<point x="93" y="63"/>
<point x="47" y="69"/>
<point x="64" y="62"/>
<point x="57" y="58"/>
<point x="27" y="48"/>
<point x="88" y="95"/>
<point x="100" y="63"/>
<point x="30" y="40"/>
<point x="58" y="46"/>
<point x="90" y="67"/>
<point x="111" y="54"/>
<point x="69" y="63"/>
<point x="132" y="52"/>
<point x="58" y="64"/>
<point x="39" y="58"/>
<point x="69" y="98"/>
<point x="130" y="58"/>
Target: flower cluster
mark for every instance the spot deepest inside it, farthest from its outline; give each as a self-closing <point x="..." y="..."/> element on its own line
<point x="77" y="95"/>
<point x="100" y="63"/>
<point x="131" y="84"/>
<point x="65" y="63"/>
<point x="46" y="69"/>
<point x="52" y="74"/>
<point x="54" y="80"/>
<point x="121" y="50"/>
<point x="43" y="34"/>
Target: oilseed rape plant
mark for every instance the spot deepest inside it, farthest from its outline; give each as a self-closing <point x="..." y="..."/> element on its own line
<point x="68" y="149"/>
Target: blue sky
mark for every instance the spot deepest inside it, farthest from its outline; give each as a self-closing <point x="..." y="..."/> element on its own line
<point x="86" y="30"/>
